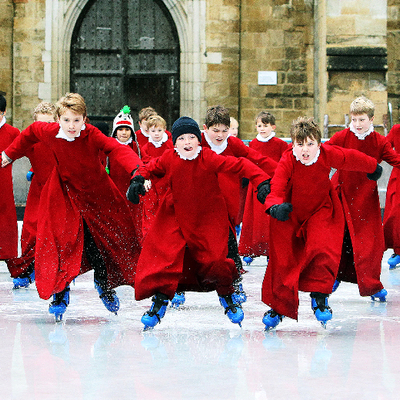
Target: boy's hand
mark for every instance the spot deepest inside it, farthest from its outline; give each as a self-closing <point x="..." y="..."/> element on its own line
<point x="263" y="190"/>
<point x="376" y="174"/>
<point x="281" y="211"/>
<point x="135" y="189"/>
<point x="5" y="160"/>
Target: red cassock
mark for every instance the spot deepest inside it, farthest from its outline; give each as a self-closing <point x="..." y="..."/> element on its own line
<point x="121" y="177"/>
<point x="305" y="251"/>
<point x="43" y="161"/>
<point x="159" y="186"/>
<point x="360" y="200"/>
<point x="8" y="215"/>
<point x="193" y="216"/>
<point x="254" y="236"/>
<point x="391" y="220"/>
<point x="231" y="184"/>
<point x="80" y="189"/>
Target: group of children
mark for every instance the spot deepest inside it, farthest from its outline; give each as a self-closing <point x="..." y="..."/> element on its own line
<point x="158" y="210"/>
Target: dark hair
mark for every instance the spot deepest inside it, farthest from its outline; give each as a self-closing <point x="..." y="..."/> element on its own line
<point x="266" y="118"/>
<point x="3" y="103"/>
<point x="216" y="115"/>
<point x="303" y="128"/>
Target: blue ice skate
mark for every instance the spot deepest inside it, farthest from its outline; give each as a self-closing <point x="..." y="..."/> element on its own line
<point x="59" y="304"/>
<point x="232" y="309"/>
<point x="24" y="282"/>
<point x="335" y="285"/>
<point x="108" y="297"/>
<point x="248" y="260"/>
<point x="157" y="311"/>
<point x="178" y="299"/>
<point x="271" y="319"/>
<point x="393" y="261"/>
<point x="240" y="295"/>
<point x="380" y="296"/>
<point x="320" y="306"/>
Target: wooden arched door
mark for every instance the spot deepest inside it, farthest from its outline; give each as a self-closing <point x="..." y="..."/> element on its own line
<point x="126" y="52"/>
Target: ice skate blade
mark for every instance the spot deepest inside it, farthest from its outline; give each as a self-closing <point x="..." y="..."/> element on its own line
<point x="323" y="324"/>
<point x="58" y="317"/>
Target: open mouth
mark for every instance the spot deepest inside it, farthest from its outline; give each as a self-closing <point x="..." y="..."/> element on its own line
<point x="188" y="148"/>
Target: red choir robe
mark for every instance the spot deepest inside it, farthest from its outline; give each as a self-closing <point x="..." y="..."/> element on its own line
<point x="80" y="189"/>
<point x="121" y="177"/>
<point x="43" y="161"/>
<point x="193" y="216"/>
<point x="391" y="219"/>
<point x="305" y="251"/>
<point x="360" y="200"/>
<point x="231" y="184"/>
<point x="8" y="214"/>
<point x="254" y="236"/>
<point x="159" y="186"/>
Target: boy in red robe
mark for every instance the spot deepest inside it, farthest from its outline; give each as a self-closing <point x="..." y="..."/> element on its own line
<point x="22" y="268"/>
<point x="155" y="147"/>
<point x="215" y="137"/>
<point x="8" y="214"/>
<point x="254" y="237"/>
<point x="83" y="220"/>
<point x="193" y="217"/>
<point x="364" y="242"/>
<point x="307" y="224"/>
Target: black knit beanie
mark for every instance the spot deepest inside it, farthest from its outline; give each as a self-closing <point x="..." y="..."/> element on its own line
<point x="185" y="125"/>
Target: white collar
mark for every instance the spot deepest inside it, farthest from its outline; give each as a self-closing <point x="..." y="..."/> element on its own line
<point x="144" y="133"/>
<point x="263" y="139"/>
<point x="313" y="161"/>
<point x="188" y="158"/>
<point x="160" y="142"/>
<point x="3" y="121"/>
<point x="62" y="135"/>
<point x="362" y="136"/>
<point x="217" y="149"/>
<point x="130" y="140"/>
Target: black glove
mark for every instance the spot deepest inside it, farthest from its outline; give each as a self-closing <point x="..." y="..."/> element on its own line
<point x="377" y="174"/>
<point x="263" y="190"/>
<point x="281" y="211"/>
<point x="135" y="189"/>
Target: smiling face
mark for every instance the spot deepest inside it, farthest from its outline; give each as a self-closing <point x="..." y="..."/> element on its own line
<point x="71" y="123"/>
<point x="123" y="134"/>
<point x="187" y="144"/>
<point x="217" y="133"/>
<point x="307" y="150"/>
<point x="361" y="122"/>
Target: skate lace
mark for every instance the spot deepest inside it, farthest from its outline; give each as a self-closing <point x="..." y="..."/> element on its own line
<point x="59" y="298"/>
<point x="109" y="295"/>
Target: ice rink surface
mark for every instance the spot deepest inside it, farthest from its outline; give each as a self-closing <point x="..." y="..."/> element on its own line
<point x="196" y="352"/>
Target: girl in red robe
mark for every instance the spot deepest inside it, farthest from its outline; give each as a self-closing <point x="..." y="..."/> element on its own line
<point x="193" y="218"/>
<point x="306" y="243"/>
<point x="82" y="215"/>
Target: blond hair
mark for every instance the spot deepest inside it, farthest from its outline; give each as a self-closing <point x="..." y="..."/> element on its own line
<point x="45" y="107"/>
<point x="156" y="120"/>
<point x="362" y="105"/>
<point x="73" y="102"/>
<point x="146" y="113"/>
